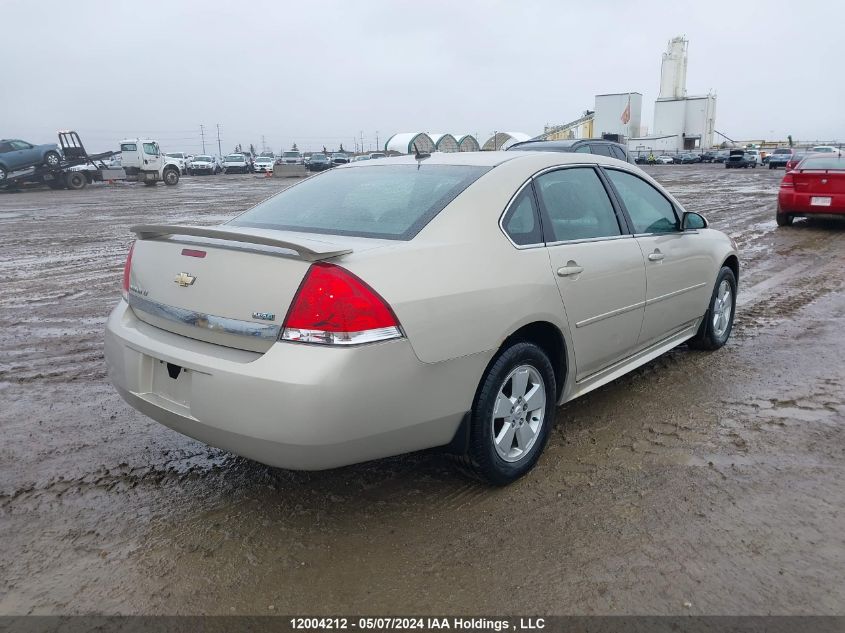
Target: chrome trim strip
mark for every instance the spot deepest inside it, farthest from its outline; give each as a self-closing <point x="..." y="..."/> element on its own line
<point x="668" y="295"/>
<point x="587" y="240"/>
<point x="612" y="313"/>
<point x="223" y="325"/>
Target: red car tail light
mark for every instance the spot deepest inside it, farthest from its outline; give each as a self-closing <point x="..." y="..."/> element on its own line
<point x="788" y="180"/>
<point x="334" y="307"/>
<point x="127" y="269"/>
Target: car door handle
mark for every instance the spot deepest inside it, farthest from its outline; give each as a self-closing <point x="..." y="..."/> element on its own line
<point x="656" y="256"/>
<point x="570" y="269"/>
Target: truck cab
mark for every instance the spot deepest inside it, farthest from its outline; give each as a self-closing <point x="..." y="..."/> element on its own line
<point x="143" y="160"/>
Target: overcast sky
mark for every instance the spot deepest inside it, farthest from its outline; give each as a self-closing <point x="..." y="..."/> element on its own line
<point x="320" y="73"/>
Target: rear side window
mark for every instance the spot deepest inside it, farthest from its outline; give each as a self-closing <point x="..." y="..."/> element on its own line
<point x="583" y="149"/>
<point x="602" y="149"/>
<point x="617" y="152"/>
<point x="389" y="201"/>
<point x="576" y="205"/>
<point x="522" y="220"/>
<point x="5" y="147"/>
<point x="650" y="211"/>
<point x="128" y="147"/>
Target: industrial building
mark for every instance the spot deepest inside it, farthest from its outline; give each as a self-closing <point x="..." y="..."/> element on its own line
<point x="681" y="122"/>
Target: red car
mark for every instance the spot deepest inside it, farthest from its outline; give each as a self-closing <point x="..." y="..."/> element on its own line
<point x="815" y="187"/>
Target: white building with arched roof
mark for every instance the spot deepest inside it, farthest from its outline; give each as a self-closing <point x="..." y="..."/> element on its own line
<point x="404" y="142"/>
<point x="444" y="142"/>
<point x="503" y="140"/>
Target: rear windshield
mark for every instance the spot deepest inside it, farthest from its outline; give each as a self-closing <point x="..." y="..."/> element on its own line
<point x="234" y="158"/>
<point x="783" y="151"/>
<point x="389" y="201"/>
<point x="205" y="159"/>
<point x="823" y="162"/>
<point x="291" y="154"/>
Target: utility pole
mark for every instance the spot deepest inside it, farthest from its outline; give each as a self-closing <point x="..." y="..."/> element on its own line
<point x="219" y="151"/>
<point x="378" y="147"/>
<point x="362" y="141"/>
<point x="202" y="134"/>
<point x="263" y="144"/>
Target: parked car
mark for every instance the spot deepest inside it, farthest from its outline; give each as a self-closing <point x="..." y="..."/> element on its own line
<point x="356" y="159"/>
<point x="796" y="158"/>
<point x="264" y="164"/>
<point x="708" y="157"/>
<point x="597" y="146"/>
<point x="780" y="157"/>
<point x="291" y="157"/>
<point x="825" y="149"/>
<point x="664" y="159"/>
<point x="16" y="154"/>
<point x="319" y="162"/>
<point x="722" y="156"/>
<point x="740" y="158"/>
<point x="754" y="154"/>
<point x="204" y="164"/>
<point x="375" y="155"/>
<point x="180" y="159"/>
<point x="339" y="158"/>
<point x="815" y="187"/>
<point x="236" y="164"/>
<point x="688" y="159"/>
<point x="331" y="344"/>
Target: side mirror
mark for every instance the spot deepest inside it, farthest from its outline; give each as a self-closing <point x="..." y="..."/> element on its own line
<point x="692" y="221"/>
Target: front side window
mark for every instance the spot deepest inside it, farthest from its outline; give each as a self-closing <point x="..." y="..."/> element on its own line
<point x="582" y="149"/>
<point x="576" y="205"/>
<point x="618" y="153"/>
<point x="649" y="210"/>
<point x="390" y="201"/>
<point x="151" y="149"/>
<point x="522" y="220"/>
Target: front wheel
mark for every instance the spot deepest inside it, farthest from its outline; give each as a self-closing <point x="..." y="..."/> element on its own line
<point x="52" y="159"/>
<point x="170" y="176"/>
<point x="715" y="329"/>
<point x="512" y="415"/>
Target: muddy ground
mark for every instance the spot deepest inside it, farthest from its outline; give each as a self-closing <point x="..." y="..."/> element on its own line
<point x="702" y="483"/>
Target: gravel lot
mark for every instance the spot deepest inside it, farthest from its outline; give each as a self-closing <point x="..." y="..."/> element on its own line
<point x="701" y="483"/>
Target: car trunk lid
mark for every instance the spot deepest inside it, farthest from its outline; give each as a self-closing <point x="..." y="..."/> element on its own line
<point x="230" y="286"/>
<point x="819" y="182"/>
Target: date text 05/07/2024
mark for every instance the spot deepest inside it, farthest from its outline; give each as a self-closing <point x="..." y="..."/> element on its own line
<point x="412" y="623"/>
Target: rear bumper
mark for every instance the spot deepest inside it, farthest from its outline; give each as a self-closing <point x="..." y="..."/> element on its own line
<point x="296" y="406"/>
<point x="800" y="204"/>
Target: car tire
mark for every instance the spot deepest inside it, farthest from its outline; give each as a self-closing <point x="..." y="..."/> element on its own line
<point x="52" y="159"/>
<point x="75" y="180"/>
<point x="784" y="219"/>
<point x="506" y="440"/>
<point x="715" y="329"/>
<point x="3" y="173"/>
<point x="170" y="177"/>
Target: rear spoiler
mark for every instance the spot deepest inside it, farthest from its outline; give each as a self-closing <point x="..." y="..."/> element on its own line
<point x="315" y="251"/>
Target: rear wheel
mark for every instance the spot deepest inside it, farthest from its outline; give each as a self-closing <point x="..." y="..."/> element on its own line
<point x="512" y="415"/>
<point x="3" y="173"/>
<point x="75" y="180"/>
<point x="715" y="329"/>
<point x="784" y="219"/>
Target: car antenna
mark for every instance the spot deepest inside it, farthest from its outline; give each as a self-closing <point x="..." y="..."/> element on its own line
<point x="420" y="156"/>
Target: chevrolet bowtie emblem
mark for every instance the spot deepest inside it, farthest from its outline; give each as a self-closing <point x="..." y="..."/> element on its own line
<point x="184" y="279"/>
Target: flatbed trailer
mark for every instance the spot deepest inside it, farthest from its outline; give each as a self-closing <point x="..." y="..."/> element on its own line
<point x="64" y="175"/>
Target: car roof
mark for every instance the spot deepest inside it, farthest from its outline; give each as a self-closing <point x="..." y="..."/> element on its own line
<point x="492" y="159"/>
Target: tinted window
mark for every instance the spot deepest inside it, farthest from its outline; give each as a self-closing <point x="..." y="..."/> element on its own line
<point x="583" y="149"/>
<point x="21" y="145"/>
<point x="602" y="149"/>
<point x="649" y="210"/>
<point x="391" y="201"/>
<point x="823" y="162"/>
<point x="617" y="152"/>
<point x="5" y="147"/>
<point x="576" y="204"/>
<point x="521" y="222"/>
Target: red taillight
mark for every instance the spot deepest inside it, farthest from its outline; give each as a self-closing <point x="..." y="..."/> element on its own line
<point x="334" y="307"/>
<point x="127" y="268"/>
<point x="788" y="180"/>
